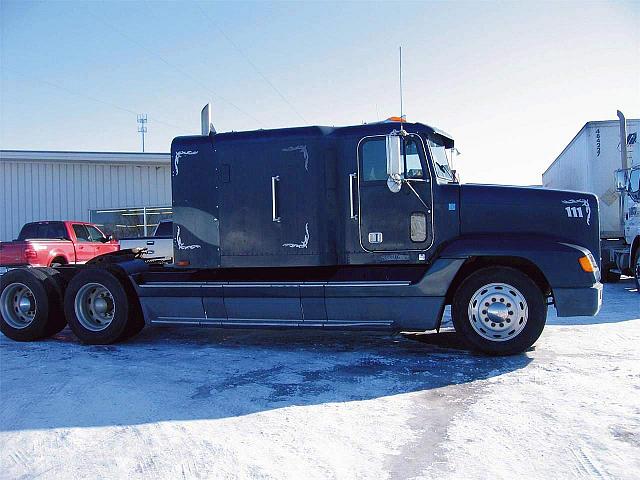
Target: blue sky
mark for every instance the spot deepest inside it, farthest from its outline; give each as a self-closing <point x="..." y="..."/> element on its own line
<point x="512" y="82"/>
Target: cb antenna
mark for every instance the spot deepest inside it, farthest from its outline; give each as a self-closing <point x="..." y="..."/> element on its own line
<point x="401" y="106"/>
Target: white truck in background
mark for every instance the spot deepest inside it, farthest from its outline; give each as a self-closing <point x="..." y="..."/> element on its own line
<point x="159" y="246"/>
<point x="597" y="161"/>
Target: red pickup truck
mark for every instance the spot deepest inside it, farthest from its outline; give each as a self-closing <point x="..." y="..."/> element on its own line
<point x="43" y="244"/>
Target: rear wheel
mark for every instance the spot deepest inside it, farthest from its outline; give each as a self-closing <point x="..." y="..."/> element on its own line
<point x="97" y="307"/>
<point x="30" y="305"/>
<point x="58" y="262"/>
<point x="56" y="322"/>
<point x="499" y="311"/>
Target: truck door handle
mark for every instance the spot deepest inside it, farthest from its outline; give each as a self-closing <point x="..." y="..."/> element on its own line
<point x="151" y="242"/>
<point x="274" y="201"/>
<point x="352" y="176"/>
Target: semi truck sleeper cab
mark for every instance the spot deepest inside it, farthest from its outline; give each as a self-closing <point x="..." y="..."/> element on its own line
<point x="360" y="227"/>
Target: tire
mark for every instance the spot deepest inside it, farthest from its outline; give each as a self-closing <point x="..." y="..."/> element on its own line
<point x="515" y="313"/>
<point x="610" y="277"/>
<point x="97" y="307"/>
<point x="57" y="322"/>
<point x="30" y="305"/>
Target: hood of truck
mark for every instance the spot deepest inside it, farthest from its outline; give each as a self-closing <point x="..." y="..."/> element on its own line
<point x="567" y="216"/>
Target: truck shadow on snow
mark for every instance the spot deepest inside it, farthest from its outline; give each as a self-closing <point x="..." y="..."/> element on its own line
<point x="169" y="374"/>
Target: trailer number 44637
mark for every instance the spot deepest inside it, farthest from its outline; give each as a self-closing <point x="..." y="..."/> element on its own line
<point x="574" y="212"/>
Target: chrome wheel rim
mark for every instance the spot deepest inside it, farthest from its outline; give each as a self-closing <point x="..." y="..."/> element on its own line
<point x="94" y="307"/>
<point x="18" y="305"/>
<point x="498" y="312"/>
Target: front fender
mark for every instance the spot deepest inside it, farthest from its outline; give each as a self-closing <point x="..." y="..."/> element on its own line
<point x="557" y="260"/>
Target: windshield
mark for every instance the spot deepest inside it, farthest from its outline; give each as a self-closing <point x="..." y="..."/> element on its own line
<point x="440" y="160"/>
<point x="634" y="184"/>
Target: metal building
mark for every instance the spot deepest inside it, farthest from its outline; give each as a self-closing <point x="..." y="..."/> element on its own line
<point x="127" y="193"/>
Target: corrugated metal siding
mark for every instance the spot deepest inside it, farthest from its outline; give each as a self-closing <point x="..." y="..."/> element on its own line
<point x="35" y="190"/>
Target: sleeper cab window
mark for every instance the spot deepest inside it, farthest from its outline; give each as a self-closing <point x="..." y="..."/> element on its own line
<point x="374" y="159"/>
<point x="418" y="227"/>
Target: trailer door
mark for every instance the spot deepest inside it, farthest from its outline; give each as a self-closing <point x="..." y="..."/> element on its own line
<point x="392" y="222"/>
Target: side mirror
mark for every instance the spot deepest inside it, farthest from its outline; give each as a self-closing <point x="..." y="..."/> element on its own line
<point x="395" y="165"/>
<point x="633" y="188"/>
<point x="621" y="180"/>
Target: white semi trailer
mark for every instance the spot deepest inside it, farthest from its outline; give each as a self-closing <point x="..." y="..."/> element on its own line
<point x="597" y="161"/>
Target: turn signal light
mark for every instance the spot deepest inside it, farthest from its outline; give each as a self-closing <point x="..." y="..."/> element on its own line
<point x="183" y="263"/>
<point x="586" y="264"/>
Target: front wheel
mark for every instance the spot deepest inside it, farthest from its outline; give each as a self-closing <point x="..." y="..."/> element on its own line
<point x="499" y="311"/>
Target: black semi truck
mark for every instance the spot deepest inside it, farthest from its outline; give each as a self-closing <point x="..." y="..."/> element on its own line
<point x="360" y="227"/>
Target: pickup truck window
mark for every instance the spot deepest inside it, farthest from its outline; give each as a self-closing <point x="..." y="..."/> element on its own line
<point x="51" y="230"/>
<point x="95" y="235"/>
<point x="374" y="159"/>
<point x="440" y="160"/>
<point x="81" y="233"/>
<point x="164" y="229"/>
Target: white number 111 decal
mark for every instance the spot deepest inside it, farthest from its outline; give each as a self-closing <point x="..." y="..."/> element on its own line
<point x="574" y="212"/>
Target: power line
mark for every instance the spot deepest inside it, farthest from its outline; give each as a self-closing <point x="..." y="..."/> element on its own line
<point x="92" y="98"/>
<point x="253" y="65"/>
<point x="175" y="68"/>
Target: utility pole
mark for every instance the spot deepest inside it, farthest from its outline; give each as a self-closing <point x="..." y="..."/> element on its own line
<point x="142" y="127"/>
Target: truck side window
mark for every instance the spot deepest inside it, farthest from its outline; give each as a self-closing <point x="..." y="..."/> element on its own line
<point x="164" y="229"/>
<point x="374" y="159"/>
<point x="413" y="167"/>
<point x="81" y="233"/>
<point x="30" y="230"/>
<point x="418" y="227"/>
<point x="94" y="234"/>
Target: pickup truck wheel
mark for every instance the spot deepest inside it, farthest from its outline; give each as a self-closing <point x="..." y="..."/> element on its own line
<point x="30" y="307"/>
<point x="97" y="307"/>
<point x="499" y="311"/>
<point x="58" y="262"/>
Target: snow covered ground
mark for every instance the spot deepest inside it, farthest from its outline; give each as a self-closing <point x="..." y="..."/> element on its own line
<point x="175" y="403"/>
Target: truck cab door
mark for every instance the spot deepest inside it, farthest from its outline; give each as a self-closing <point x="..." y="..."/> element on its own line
<point x="394" y="222"/>
<point x="85" y="249"/>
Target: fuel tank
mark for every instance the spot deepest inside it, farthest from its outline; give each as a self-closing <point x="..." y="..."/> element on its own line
<point x="568" y="216"/>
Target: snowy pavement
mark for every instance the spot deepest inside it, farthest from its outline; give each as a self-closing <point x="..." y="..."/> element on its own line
<point x="195" y="403"/>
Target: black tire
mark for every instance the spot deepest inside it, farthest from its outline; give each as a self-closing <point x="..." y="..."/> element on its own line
<point x="525" y="328"/>
<point x="121" y="311"/>
<point x="610" y="277"/>
<point x="48" y="312"/>
<point x="57" y="322"/>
